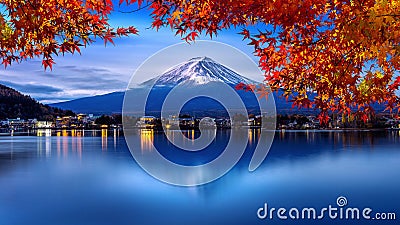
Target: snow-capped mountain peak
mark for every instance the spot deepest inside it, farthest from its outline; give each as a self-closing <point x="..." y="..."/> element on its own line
<point x="202" y="58"/>
<point x="199" y="71"/>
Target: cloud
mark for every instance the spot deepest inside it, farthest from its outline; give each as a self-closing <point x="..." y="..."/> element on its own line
<point x="86" y="78"/>
<point x="67" y="81"/>
<point x="32" y="88"/>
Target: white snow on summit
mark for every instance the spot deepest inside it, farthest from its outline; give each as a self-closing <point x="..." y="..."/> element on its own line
<point x="199" y="71"/>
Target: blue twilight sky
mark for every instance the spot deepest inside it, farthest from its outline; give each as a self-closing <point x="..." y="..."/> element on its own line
<point x="101" y="69"/>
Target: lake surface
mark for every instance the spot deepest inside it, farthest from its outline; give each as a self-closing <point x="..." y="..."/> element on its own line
<point x="90" y="177"/>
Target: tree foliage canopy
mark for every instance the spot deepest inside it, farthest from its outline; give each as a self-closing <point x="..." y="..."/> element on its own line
<point x="345" y="51"/>
<point x="43" y="28"/>
<point x="13" y="104"/>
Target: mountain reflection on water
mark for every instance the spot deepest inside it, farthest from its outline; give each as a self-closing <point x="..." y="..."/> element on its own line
<point x="89" y="177"/>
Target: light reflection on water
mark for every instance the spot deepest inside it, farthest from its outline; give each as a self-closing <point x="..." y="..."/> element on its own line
<point x="65" y="142"/>
<point x="146" y="139"/>
<point x="89" y="177"/>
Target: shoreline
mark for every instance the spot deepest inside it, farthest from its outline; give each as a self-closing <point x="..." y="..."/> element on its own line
<point x="35" y="130"/>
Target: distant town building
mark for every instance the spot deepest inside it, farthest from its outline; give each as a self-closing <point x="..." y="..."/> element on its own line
<point x="223" y="123"/>
<point x="173" y="121"/>
<point x="17" y="123"/>
<point x="187" y="122"/>
<point x="63" y="122"/>
<point x="4" y="123"/>
<point x="44" y="124"/>
<point x="147" y="122"/>
<point x="82" y="118"/>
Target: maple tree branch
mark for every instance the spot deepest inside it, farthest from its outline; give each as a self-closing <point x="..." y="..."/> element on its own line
<point x="138" y="9"/>
<point x="30" y="3"/>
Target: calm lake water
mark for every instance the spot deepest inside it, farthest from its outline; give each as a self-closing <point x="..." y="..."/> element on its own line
<point x="83" y="178"/>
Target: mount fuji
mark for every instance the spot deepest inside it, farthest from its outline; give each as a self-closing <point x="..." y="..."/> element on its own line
<point x="200" y="72"/>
